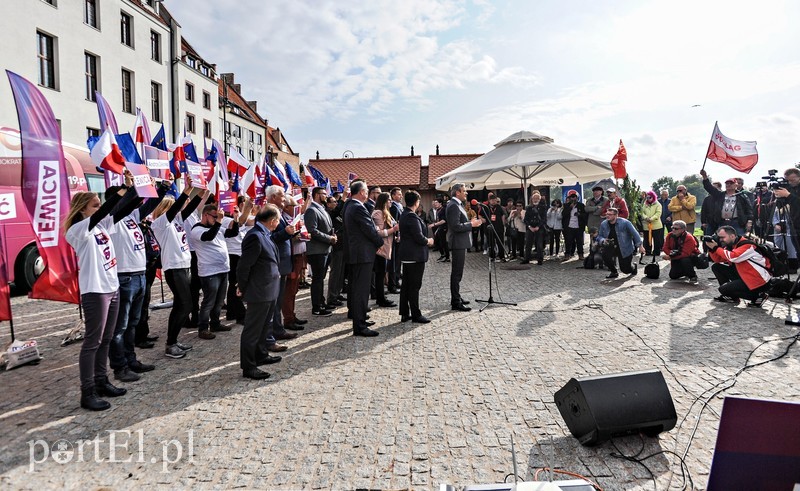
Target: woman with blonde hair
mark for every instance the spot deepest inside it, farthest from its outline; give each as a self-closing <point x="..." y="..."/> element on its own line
<point x="86" y="226"/>
<point x="383" y="221"/>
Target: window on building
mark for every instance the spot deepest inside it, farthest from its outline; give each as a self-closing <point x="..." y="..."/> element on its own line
<point x="47" y="60"/>
<point x="252" y="136"/>
<point x="258" y="139"/>
<point x="206" y="100"/>
<point x="206" y="128"/>
<point x="51" y="2"/>
<point x="190" y="122"/>
<point x="155" y="46"/>
<point x="189" y="92"/>
<point x="252" y="155"/>
<point x="155" y="101"/>
<point x="91" y="76"/>
<point x="90" y="132"/>
<point x="127" y="91"/>
<point x="90" y="16"/>
<point x="126" y="29"/>
<point x="191" y="61"/>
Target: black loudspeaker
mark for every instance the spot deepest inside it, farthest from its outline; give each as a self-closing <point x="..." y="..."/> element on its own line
<point x="599" y="408"/>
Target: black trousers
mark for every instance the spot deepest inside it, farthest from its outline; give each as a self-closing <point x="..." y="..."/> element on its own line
<point x="194" y="289"/>
<point x="496" y="240"/>
<point x="235" y="305"/>
<point x="380" y="274"/>
<point x="254" y="344"/>
<point x="732" y="285"/>
<point x="611" y="253"/>
<point x="319" y="268"/>
<point x="359" y="294"/>
<point x="456" y="273"/>
<point x="178" y="281"/>
<point x="409" y="290"/>
<point x="657" y="240"/>
<point x="678" y="268"/>
<point x="143" y="328"/>
<point x="573" y="239"/>
<point x="555" y="240"/>
<point x="534" y="239"/>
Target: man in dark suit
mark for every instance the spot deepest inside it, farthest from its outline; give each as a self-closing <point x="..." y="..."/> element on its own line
<point x="258" y="284"/>
<point x="363" y="242"/>
<point x="412" y="253"/>
<point x="393" y="267"/>
<point x="320" y="227"/>
<point x="282" y="237"/>
<point x="373" y="193"/>
<point x="459" y="238"/>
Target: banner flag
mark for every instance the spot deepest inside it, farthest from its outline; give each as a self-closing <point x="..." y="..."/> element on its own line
<point x="740" y="155"/>
<point x="619" y="161"/>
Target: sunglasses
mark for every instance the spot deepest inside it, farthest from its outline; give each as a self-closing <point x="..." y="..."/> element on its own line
<point x="676" y="228"/>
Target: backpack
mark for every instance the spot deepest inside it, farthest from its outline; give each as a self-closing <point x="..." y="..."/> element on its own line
<point x="775" y="256"/>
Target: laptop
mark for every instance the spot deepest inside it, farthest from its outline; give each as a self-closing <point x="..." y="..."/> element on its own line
<point x="758" y="446"/>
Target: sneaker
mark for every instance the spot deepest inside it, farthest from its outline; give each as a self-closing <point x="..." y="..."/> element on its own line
<point x="139" y="367"/>
<point x="635" y="271"/>
<point x="613" y="275"/>
<point x="126" y="375"/>
<point x="205" y="334"/>
<point x="725" y="299"/>
<point x="758" y="302"/>
<point x="184" y="347"/>
<point x="322" y="313"/>
<point x="221" y="328"/>
<point x="693" y="280"/>
<point x="175" y="352"/>
<point x="485" y="252"/>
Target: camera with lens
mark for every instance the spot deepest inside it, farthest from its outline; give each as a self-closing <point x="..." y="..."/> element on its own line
<point x="674" y="252"/>
<point x="772" y="181"/>
<point x="610" y="243"/>
<point x="711" y="238"/>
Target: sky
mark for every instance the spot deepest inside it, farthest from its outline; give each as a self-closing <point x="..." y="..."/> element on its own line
<point x="375" y="78"/>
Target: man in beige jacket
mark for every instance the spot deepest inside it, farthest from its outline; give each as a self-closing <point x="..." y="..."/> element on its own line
<point x="682" y="208"/>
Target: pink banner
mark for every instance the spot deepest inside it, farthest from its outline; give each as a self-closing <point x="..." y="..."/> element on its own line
<point x="45" y="191"/>
<point x="5" y="293"/>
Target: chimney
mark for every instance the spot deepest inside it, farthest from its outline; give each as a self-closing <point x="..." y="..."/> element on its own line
<point x="276" y="135"/>
<point x="227" y="78"/>
<point x="412" y="150"/>
<point x="437" y="149"/>
<point x="317" y="154"/>
<point x="253" y="105"/>
<point x="237" y="88"/>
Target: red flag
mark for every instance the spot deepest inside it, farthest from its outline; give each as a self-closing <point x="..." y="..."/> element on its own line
<point x="740" y="155"/>
<point x="619" y="161"/>
<point x="45" y="191"/>
<point x="5" y="293"/>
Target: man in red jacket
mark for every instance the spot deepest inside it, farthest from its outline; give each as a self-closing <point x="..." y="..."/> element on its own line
<point x="741" y="270"/>
<point x="680" y="249"/>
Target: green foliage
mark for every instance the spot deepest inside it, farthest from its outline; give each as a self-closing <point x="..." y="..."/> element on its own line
<point x="665" y="182"/>
<point x="693" y="183"/>
<point x="632" y="195"/>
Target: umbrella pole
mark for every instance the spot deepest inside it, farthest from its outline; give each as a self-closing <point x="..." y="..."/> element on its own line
<point x="525" y="189"/>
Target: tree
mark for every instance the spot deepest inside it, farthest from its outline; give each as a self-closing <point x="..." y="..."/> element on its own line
<point x="665" y="182"/>
<point x="694" y="185"/>
<point x="632" y="195"/>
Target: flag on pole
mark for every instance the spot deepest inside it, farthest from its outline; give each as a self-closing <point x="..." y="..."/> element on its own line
<point x="339" y="186"/>
<point x="292" y="175"/>
<point x="5" y="291"/>
<point x="160" y="140"/>
<point x="740" y="155"/>
<point x="619" y="161"/>
<point x="107" y="119"/>
<point x="45" y="191"/>
<point x="141" y="130"/>
<point x="106" y="154"/>
<point x="280" y="172"/>
<point x="220" y="167"/>
<point x="318" y="176"/>
<point x="307" y="178"/>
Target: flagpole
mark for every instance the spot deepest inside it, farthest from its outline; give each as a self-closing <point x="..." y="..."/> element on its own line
<point x="709" y="145"/>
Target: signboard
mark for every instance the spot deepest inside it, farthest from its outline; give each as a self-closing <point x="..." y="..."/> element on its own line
<point x="142" y="180"/>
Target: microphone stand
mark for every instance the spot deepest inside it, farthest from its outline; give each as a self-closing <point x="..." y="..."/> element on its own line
<point x="489" y="226"/>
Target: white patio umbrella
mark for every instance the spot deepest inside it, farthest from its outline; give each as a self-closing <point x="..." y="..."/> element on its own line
<point x="526" y="158"/>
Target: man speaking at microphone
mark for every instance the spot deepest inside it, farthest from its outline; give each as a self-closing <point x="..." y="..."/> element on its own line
<point x="459" y="238"/>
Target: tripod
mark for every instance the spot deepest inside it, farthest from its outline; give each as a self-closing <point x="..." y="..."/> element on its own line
<point x="496" y="238"/>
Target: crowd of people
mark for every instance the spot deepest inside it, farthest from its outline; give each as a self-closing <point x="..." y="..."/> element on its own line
<point x="252" y="260"/>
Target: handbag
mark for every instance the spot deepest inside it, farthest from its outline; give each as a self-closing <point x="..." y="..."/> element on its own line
<point x="700" y="261"/>
<point x="651" y="270"/>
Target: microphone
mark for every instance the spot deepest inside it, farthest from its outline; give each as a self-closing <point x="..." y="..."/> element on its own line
<point x="474" y="202"/>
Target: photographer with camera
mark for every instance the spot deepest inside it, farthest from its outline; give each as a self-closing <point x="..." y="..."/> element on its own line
<point x="742" y="272"/>
<point x="680" y="249"/>
<point x="787" y="192"/>
<point x="763" y="199"/>
<point x="619" y="239"/>
<point x="730" y="207"/>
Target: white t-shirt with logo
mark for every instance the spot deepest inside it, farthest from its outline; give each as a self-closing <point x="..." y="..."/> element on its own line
<point x="172" y="238"/>
<point x="212" y="255"/>
<point x="129" y="243"/>
<point x="97" y="260"/>
<point x="235" y="243"/>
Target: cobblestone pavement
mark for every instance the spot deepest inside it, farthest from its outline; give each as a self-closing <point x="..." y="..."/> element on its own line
<point x="415" y="407"/>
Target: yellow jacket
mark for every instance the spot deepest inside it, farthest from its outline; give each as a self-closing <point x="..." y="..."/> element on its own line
<point x="651" y="214"/>
<point x="683" y="211"/>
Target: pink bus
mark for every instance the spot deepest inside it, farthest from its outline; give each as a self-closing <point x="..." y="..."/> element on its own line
<point x="19" y="250"/>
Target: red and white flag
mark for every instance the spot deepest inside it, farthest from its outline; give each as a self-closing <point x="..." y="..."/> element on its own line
<point x="740" y="155"/>
<point x="619" y="161"/>
<point x="141" y="130"/>
<point x="244" y="169"/>
<point x="106" y="154"/>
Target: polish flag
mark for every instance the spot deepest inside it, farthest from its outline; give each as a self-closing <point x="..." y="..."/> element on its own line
<point x="740" y="155"/>
<point x="243" y="169"/>
<point x="141" y="130"/>
<point x="106" y="154"/>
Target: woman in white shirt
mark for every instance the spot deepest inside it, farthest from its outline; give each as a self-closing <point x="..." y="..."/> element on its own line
<point x="87" y="225"/>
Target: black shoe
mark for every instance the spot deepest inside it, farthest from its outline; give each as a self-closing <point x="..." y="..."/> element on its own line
<point x="139" y="367"/>
<point x="104" y="388"/>
<point x="341" y="298"/>
<point x="152" y="338"/>
<point x="335" y="303"/>
<point x="301" y="322"/>
<point x="461" y="308"/>
<point x="464" y="302"/>
<point x="446" y="260"/>
<point x="405" y="318"/>
<point x="205" y="334"/>
<point x="90" y="401"/>
<point x="269" y="360"/>
<point x="145" y="344"/>
<point x="758" y="302"/>
<point x="220" y="328"/>
<point x="125" y="375"/>
<point x="322" y="313"/>
<point x="612" y="275"/>
<point x="635" y="271"/>
<point x="370" y="323"/>
<point x="255" y="374"/>
<point x="394" y="291"/>
<point x="366" y="332"/>
<point x="387" y="303"/>
<point x="421" y="320"/>
<point x="524" y="261"/>
<point x="293" y="327"/>
<point x="285" y="336"/>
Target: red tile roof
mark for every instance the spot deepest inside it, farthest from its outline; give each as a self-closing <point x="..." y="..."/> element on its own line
<point x="438" y="165"/>
<point x="377" y="171"/>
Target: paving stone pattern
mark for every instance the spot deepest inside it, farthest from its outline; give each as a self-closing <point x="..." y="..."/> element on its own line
<point x="417" y="406"/>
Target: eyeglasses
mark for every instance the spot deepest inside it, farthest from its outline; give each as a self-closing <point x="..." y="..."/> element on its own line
<point x="730" y="182"/>
<point x="676" y="228"/>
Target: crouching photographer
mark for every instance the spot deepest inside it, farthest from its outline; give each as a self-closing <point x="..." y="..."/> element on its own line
<point x="742" y="272"/>
<point x="680" y="249"/>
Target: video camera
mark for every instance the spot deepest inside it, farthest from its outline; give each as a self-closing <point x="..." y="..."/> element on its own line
<point x="772" y="181"/>
<point x="711" y="238"/>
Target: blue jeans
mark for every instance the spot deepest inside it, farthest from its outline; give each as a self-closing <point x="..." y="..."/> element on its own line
<point x="131" y="297"/>
<point x="215" y="287"/>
